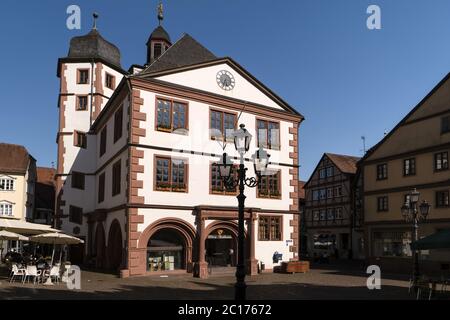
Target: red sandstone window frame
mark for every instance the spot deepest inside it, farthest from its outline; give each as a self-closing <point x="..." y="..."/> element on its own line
<point x="80" y="139"/>
<point x="223" y="190"/>
<point x="269" y="194"/>
<point x="77" y="102"/>
<point x="79" y="75"/>
<point x="267" y="220"/>
<point x="172" y="129"/>
<point x="169" y="187"/>
<point x="223" y="136"/>
<point x="268" y="143"/>
<point x="112" y="83"/>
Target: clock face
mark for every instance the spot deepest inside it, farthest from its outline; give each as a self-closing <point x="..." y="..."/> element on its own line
<point x="225" y="80"/>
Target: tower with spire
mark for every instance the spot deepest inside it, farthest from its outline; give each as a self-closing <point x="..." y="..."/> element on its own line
<point x="159" y="40"/>
<point x="88" y="77"/>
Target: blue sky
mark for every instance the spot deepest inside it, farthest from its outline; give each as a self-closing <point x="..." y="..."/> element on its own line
<point x="318" y="55"/>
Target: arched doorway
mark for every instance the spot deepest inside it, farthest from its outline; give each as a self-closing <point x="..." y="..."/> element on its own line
<point x="100" y="246"/>
<point x="115" y="246"/>
<point x="221" y="243"/>
<point x="221" y="248"/>
<point x="168" y="245"/>
<point x="166" y="251"/>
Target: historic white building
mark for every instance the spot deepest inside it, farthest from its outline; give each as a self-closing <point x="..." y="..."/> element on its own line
<point x="135" y="152"/>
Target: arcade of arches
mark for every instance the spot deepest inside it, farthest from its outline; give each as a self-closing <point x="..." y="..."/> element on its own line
<point x="174" y="245"/>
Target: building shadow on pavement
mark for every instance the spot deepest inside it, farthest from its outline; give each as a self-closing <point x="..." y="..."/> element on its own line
<point x="205" y="291"/>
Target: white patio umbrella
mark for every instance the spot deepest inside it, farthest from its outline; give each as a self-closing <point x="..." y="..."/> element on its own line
<point x="7" y="235"/>
<point x="55" y="238"/>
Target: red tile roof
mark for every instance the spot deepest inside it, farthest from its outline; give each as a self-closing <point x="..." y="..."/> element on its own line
<point x="46" y="175"/>
<point x="346" y="164"/>
<point x="13" y="158"/>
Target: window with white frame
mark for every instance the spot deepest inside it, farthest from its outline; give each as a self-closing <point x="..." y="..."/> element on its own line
<point x="6" y="184"/>
<point x="6" y="209"/>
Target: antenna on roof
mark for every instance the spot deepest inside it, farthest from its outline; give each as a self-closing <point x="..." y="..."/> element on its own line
<point x="160" y="12"/>
<point x="95" y="15"/>
<point x="363" y="138"/>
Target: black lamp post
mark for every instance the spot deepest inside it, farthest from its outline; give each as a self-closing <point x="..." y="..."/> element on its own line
<point x="411" y="214"/>
<point x="242" y="139"/>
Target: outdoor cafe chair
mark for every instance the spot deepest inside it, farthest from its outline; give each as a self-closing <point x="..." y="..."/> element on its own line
<point x="423" y="285"/>
<point x="32" y="271"/>
<point x="54" y="273"/>
<point x="16" y="272"/>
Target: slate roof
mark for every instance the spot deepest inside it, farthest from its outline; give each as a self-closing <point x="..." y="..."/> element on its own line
<point x="13" y="158"/>
<point x="346" y="164"/>
<point x="93" y="45"/>
<point x="159" y="33"/>
<point x="186" y="51"/>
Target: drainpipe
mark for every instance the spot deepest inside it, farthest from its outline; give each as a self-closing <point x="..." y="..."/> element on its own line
<point x="92" y="92"/>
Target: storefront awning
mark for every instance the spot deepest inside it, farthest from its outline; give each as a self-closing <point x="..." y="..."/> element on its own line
<point x="438" y="240"/>
<point x="23" y="227"/>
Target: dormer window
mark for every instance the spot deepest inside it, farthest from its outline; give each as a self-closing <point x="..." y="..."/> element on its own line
<point x="6" y="184"/>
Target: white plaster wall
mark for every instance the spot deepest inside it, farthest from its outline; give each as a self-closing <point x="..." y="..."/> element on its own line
<point x="106" y="91"/>
<point x="199" y="184"/>
<point x="79" y="159"/>
<point x="198" y="138"/>
<point x="264" y="250"/>
<point x="205" y="79"/>
<point x="121" y="218"/>
<point x="80" y="198"/>
<point x="112" y="147"/>
<point x="119" y="199"/>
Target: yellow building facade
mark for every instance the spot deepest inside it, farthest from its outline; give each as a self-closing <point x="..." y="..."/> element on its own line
<point x="415" y="154"/>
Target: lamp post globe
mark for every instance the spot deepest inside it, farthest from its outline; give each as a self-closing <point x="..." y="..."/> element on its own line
<point x="424" y="209"/>
<point x="260" y="161"/>
<point x="242" y="139"/>
<point x="414" y="196"/>
<point x="225" y="167"/>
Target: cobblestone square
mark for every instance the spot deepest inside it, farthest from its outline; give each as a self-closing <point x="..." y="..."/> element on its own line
<point x="322" y="282"/>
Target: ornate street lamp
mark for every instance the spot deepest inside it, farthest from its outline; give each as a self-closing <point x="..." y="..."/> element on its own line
<point x="242" y="139"/>
<point x="411" y="214"/>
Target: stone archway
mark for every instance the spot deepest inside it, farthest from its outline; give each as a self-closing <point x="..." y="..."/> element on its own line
<point x="115" y="244"/>
<point x="100" y="246"/>
<point x="232" y="228"/>
<point x="181" y="227"/>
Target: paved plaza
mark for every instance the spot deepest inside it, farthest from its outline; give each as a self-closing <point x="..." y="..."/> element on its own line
<point x="322" y="282"/>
